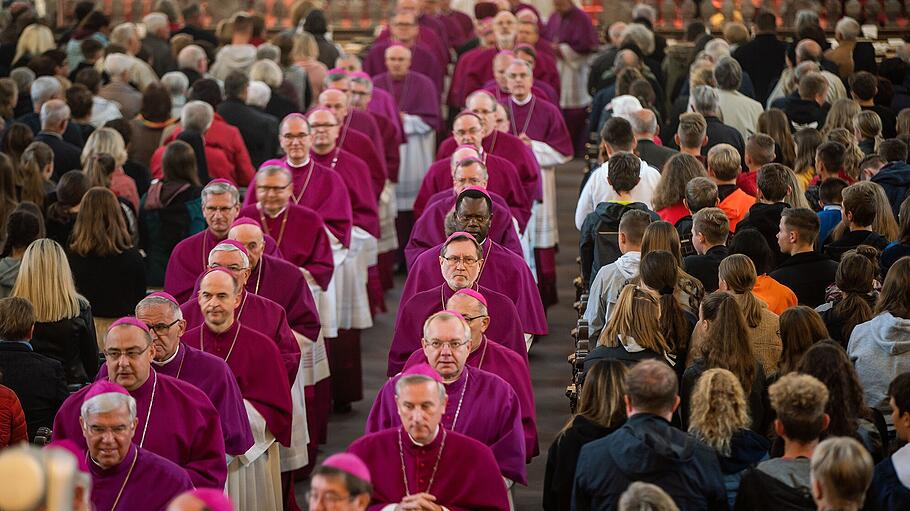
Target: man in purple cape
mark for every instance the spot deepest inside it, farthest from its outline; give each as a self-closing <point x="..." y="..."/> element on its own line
<point x="341" y="475"/>
<point x="500" y="270"/>
<point x="298" y="230"/>
<point x="472" y="204"/>
<point x="123" y="473"/>
<point x="381" y="105"/>
<point x="501" y="144"/>
<point x="354" y="137"/>
<point x="475" y="393"/>
<point x="502" y="177"/>
<point x="404" y="32"/>
<point x="543" y="64"/>
<point x="161" y="312"/>
<point x="316" y="187"/>
<point x="498" y="87"/>
<point x="460" y="266"/>
<point x="493" y="357"/>
<point x="175" y="419"/>
<point x="220" y="207"/>
<point x="420" y="463"/>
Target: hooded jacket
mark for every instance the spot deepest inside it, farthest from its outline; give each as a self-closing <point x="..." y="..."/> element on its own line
<point x="562" y="459"/>
<point x="880" y="350"/>
<point x="765" y="218"/>
<point x="895" y="179"/>
<point x="9" y="270"/>
<point x="605" y="289"/>
<point x="233" y="57"/>
<point x="600" y="235"/>
<point x="852" y="239"/>
<point x="647" y="448"/>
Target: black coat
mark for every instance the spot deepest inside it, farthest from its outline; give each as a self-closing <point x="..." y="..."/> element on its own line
<point x="112" y="284"/>
<point x="37" y="380"/>
<point x="647" y="448"/>
<point x="562" y="458"/>
<point x="597" y="247"/>
<point x="704" y="266"/>
<point x="720" y="133"/>
<point x="72" y="134"/>
<point x="895" y="179"/>
<point x="835" y="249"/>
<point x="886" y="491"/>
<point x="71" y="341"/>
<point x="760" y="491"/>
<point x="654" y="154"/>
<point x="765" y="218"/>
<point x="258" y="129"/>
<point x="764" y="59"/>
<point x="802" y="113"/>
<point x="66" y="156"/>
<point x="807" y="274"/>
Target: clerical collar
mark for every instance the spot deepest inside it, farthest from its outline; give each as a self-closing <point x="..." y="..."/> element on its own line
<point x="418" y="444"/>
<point x="169" y="359"/>
<point x="305" y="162"/>
<point x="523" y="102"/>
<point x="266" y="213"/>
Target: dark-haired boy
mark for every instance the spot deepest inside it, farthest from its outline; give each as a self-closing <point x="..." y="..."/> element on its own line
<point x="859" y="211"/>
<point x="701" y="193"/>
<point x="890" y="487"/>
<point x="759" y="152"/>
<point x="829" y="162"/>
<point x="806" y="272"/>
<point x="830" y="199"/>
<point x="764" y="216"/>
<point x="710" y="229"/>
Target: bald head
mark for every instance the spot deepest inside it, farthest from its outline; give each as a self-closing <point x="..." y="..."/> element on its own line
<point x="505" y="29"/>
<point x="501" y="62"/>
<point x="808" y="50"/>
<point x="252" y="238"/>
<point x="397" y="61"/>
<point x="335" y="101"/>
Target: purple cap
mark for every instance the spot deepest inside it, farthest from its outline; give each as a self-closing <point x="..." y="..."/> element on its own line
<point x="103" y="387"/>
<point x="350" y="463"/>
<point x="74" y="449"/>
<point x="220" y="180"/>
<point x="476" y="188"/>
<point x="131" y="321"/>
<point x="336" y="71"/>
<point x="361" y="74"/>
<point x="467" y="146"/>
<point x="166" y="296"/>
<point x="215" y="500"/>
<point x="459" y="234"/>
<point x="234" y="243"/>
<point x="422" y="370"/>
<point x="473" y="294"/>
<point x="245" y="220"/>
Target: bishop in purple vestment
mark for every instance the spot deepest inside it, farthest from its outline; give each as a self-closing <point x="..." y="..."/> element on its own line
<point x="404" y="32"/>
<point x="474" y="394"/>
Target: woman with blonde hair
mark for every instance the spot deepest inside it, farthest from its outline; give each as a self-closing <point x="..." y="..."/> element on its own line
<point x="737" y="276"/>
<point x="671" y="188"/>
<point x="807" y="141"/>
<point x="867" y="126"/>
<point x="34" y="40"/>
<point x="633" y="332"/>
<point x="107" y="268"/>
<point x="775" y="124"/>
<point x="796" y="193"/>
<point x="108" y="141"/>
<point x="601" y="410"/>
<point x="853" y="155"/>
<point x="64" y="329"/>
<point x="33" y="174"/>
<point x="719" y="418"/>
<point x="663" y="236"/>
<point x="841" y="115"/>
<point x="306" y="55"/>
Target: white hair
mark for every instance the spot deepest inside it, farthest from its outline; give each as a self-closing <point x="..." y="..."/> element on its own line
<point x="615" y="31"/>
<point x="625" y="105"/>
<point x="643" y="122"/>
<point x="189" y="56"/>
<point x="24" y="77"/>
<point x="220" y="188"/>
<point x="106" y="403"/>
<point x="258" y="94"/>
<point x="644" y="11"/>
<point x="197" y="116"/>
<point x="268" y="51"/>
<point x="45" y="89"/>
<point x="122" y="33"/>
<point x="717" y="48"/>
<point x="641" y="36"/>
<point x="267" y="71"/>
<point x="522" y="62"/>
<point x="151" y="301"/>
<point x="705" y="100"/>
<point x="848" y="28"/>
<point x="447" y="316"/>
<point x="274" y="170"/>
<point x="117" y="64"/>
<point x="176" y="83"/>
<point x="155" y="21"/>
<point x="53" y="113"/>
<point x="227" y="247"/>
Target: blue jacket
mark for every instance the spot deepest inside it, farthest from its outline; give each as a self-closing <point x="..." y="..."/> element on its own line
<point x="747" y="449"/>
<point x="647" y="448"/>
<point x="895" y="179"/>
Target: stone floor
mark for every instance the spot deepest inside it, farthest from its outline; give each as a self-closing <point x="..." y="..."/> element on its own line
<point x="549" y="370"/>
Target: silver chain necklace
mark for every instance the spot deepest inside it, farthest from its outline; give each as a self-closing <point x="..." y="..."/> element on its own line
<point x="404" y="473"/>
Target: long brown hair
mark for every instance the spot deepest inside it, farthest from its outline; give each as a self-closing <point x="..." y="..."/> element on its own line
<point x="100" y="229"/>
<point x="676" y="174"/>
<point x="601" y="399"/>
<point x="726" y="343"/>
<point x="99" y="168"/>
<point x="855" y="275"/>
<point x="807" y="142"/>
<point x="636" y="315"/>
<point x="883" y="223"/>
<point x="738" y="273"/>
<point x="8" y="200"/>
<point x="800" y="328"/>
<point x="853" y="155"/>
<point x="662" y="236"/>
<point x="904" y="217"/>
<point x="828" y="362"/>
<point x="659" y="272"/>
<point x="775" y="124"/>
<point x="29" y="173"/>
<point x="179" y="163"/>
<point x="895" y="294"/>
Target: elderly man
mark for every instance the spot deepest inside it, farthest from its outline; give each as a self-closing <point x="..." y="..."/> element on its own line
<point x="644" y="127"/>
<point x="193" y="62"/>
<point x="470" y="197"/>
<point x="446" y="339"/>
<point x="257" y="365"/>
<point x="177" y="421"/>
<point x="493" y="357"/>
<point x="139" y="71"/>
<point x="342" y="482"/>
<point x="763" y="57"/>
<point x="421" y="401"/>
<point x="705" y="100"/>
<point x="499" y="87"/>
<point x="42" y="90"/>
<point x="122" y="471"/>
<point x="503" y="177"/>
<point x="460" y="261"/>
<point x="737" y="110"/>
<point x="382" y="108"/>
<point x="55" y="117"/>
<point x="404" y="31"/>
<point x="808" y="56"/>
<point x="846" y="32"/>
<point x="256" y="127"/>
<point x="155" y="43"/>
<point x="475" y="67"/>
<point x="119" y="89"/>
<point x="314" y="186"/>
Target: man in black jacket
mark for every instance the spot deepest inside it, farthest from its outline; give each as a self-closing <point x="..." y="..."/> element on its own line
<point x="894" y="177"/>
<point x="647" y="448"/>
<point x="55" y="118"/>
<point x="37" y="380"/>
<point x="772" y="184"/>
<point x="706" y="101"/>
<point x="44" y="89"/>
<point x="710" y="228"/>
<point x="644" y="126"/>
<point x="256" y="127"/>
<point x="806" y="271"/>
<point x="763" y="56"/>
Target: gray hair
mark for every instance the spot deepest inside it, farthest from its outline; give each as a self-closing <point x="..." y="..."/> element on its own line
<point x="705" y="100"/>
<point x="717" y="48"/>
<point x="806" y="17"/>
<point x="361" y="80"/>
<point x="227" y="247"/>
<point x="258" y="94"/>
<point x="640" y="496"/>
<point x="122" y="33"/>
<point x="728" y="74"/>
<point x="643" y="122"/>
<point x="117" y="64"/>
<point x="151" y="301"/>
<point x="641" y="36"/>
<point x="417" y="379"/>
<point x="219" y="188"/>
<point x="54" y="112"/>
<point x="619" y="62"/>
<point x="807" y="49"/>
<point x="267" y="71"/>
<point x="197" y="116"/>
<point x="615" y="31"/>
<point x="45" y="89"/>
<point x="480" y="306"/>
<point x="447" y="316"/>
<point x="522" y="62"/>
<point x="274" y="170"/>
<point x="268" y="51"/>
<point x="190" y="56"/>
<point x="644" y="11"/>
<point x="155" y="21"/>
<point x="848" y="28"/>
<point x="106" y="403"/>
<point x="804" y="68"/>
<point x="176" y="83"/>
<point x="24" y="78"/>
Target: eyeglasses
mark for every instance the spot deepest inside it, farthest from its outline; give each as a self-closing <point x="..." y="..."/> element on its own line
<point x="456" y="260"/>
<point x="437" y="345"/>
<point x="233" y="268"/>
<point x="322" y="126"/>
<point x="329" y="500"/>
<point x="272" y="189"/>
<point x="291" y="137"/>
<point x="97" y="431"/>
<point x="222" y="210"/>
<point x="472" y="318"/>
<point x="161" y="328"/>
<point x="114" y="355"/>
<point x="483" y="112"/>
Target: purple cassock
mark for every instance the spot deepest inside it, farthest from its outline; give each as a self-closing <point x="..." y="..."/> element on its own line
<point x="505" y="323"/>
<point x="429" y="37"/>
<point x="503" y="181"/>
<point x="467" y="478"/>
<point x="430" y="230"/>
<point x="301" y="237"/>
<point x="410" y="97"/>
<point x="480" y="405"/>
<point x="261" y="315"/>
<point x="505" y="363"/>
<point x="212" y="376"/>
<point x="472" y="70"/>
<point x="383" y="104"/>
<point x="368" y="147"/>
<point x="283" y="283"/>
<point x="392" y="134"/>
<point x="176" y="421"/>
<point x="464" y="22"/>
<point x="573" y="28"/>
<point x="320" y="189"/>
<point x="539" y="89"/>
<point x="143" y="481"/>
<point x="257" y="365"/>
<point x="546" y="72"/>
<point x="422" y="61"/>
<point x="503" y="271"/>
<point x="190" y="258"/>
<point x="510" y="147"/>
<point x="356" y="175"/>
<point x="541" y="121"/>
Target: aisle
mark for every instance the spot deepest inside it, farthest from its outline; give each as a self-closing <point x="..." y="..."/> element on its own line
<point x="549" y="370"/>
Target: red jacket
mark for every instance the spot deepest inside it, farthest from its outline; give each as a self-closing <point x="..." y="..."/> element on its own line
<point x="12" y="419"/>
<point x="233" y="162"/>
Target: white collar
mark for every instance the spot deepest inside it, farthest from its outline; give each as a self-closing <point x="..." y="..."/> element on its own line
<point x="523" y="103"/>
<point x="305" y="161"/>
<point x="169" y="359"/>
<point x="901" y="461"/>
<point x="415" y="442"/>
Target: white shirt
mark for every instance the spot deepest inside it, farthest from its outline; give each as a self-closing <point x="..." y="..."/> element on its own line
<point x="598" y="190"/>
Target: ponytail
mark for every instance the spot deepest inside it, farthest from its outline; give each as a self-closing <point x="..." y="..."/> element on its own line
<point x="32" y="163"/>
<point x="738" y="272"/>
<point x="726" y="343"/>
<point x="854" y="277"/>
<point x="99" y="168"/>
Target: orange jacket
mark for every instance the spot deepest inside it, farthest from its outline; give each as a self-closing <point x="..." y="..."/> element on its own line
<point x="735" y="206"/>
